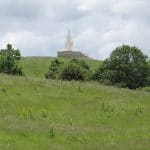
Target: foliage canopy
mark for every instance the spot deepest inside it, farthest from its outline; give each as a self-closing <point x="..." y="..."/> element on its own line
<point x="127" y="67"/>
<point x="75" y="69"/>
<point x="9" y="59"/>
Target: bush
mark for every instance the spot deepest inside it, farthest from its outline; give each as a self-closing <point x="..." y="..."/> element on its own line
<point x="72" y="72"/>
<point x="126" y="67"/>
<point x="9" y="59"/>
<point x="75" y="70"/>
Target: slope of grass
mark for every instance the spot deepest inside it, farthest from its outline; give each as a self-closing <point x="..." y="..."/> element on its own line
<point x="42" y="114"/>
<point x="35" y="66"/>
<point x="38" y="66"/>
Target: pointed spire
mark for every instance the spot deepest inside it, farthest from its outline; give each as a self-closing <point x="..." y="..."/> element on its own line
<point x="69" y="43"/>
<point x="69" y="32"/>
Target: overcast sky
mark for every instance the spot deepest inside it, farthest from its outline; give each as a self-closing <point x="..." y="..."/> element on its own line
<point x="39" y="27"/>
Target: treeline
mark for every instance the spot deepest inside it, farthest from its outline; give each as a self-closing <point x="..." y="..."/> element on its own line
<point x="75" y="69"/>
<point x="127" y="66"/>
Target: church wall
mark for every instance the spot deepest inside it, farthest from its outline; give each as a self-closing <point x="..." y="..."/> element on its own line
<point x="71" y="54"/>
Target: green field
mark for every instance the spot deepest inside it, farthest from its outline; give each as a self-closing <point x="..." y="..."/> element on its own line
<point x="38" y="66"/>
<point x="40" y="114"/>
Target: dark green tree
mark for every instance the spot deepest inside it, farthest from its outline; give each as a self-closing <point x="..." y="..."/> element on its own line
<point x="76" y="69"/>
<point x="127" y="67"/>
<point x="80" y="62"/>
<point x="54" y="69"/>
<point x="9" y="59"/>
<point x="148" y="78"/>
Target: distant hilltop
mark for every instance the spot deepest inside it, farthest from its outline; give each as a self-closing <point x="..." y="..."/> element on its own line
<point x="68" y="51"/>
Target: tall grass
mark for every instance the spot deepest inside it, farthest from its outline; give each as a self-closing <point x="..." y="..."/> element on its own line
<point x="41" y="114"/>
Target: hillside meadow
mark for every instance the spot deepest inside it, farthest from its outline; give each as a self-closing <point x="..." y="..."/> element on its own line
<point x="38" y="66"/>
<point x="41" y="114"/>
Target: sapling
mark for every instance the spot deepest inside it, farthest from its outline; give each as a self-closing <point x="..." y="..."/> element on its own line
<point x="51" y="130"/>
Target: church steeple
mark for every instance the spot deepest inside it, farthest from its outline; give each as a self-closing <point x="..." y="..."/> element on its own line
<point x="68" y="51"/>
<point x="69" y="42"/>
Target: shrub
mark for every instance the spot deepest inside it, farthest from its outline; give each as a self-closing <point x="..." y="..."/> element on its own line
<point x="75" y="70"/>
<point x="72" y="72"/>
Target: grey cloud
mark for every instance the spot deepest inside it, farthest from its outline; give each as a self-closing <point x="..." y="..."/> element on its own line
<point x="19" y="9"/>
<point x="38" y="27"/>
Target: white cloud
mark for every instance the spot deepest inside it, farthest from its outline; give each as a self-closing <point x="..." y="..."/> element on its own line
<point x="38" y="27"/>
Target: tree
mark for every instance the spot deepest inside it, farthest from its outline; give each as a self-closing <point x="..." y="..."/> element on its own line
<point x="75" y="70"/>
<point x="148" y="78"/>
<point x="9" y="59"/>
<point x="127" y="66"/>
<point x="54" y="69"/>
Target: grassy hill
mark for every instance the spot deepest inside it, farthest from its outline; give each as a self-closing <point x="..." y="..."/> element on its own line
<point x="38" y="66"/>
<point x="41" y="114"/>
